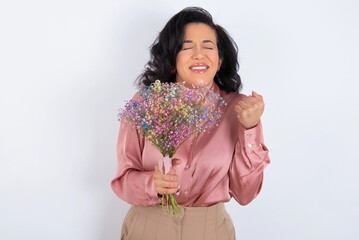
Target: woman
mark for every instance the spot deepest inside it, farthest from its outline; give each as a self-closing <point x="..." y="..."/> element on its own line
<point x="208" y="169"/>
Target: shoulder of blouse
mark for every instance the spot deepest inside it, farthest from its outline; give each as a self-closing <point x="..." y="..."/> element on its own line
<point x="136" y="96"/>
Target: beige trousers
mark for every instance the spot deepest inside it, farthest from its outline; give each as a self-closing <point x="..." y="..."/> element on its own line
<point x="197" y="223"/>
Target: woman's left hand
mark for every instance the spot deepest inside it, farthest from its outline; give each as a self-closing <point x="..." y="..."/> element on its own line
<point x="249" y="110"/>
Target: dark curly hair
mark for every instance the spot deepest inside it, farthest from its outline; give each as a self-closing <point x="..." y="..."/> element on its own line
<point x="169" y="42"/>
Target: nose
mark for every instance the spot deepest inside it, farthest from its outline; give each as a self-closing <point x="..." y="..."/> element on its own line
<point x="198" y="53"/>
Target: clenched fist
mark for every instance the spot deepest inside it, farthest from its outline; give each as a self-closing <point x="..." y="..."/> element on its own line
<point x="249" y="110"/>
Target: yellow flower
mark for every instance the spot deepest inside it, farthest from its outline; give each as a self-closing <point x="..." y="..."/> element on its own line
<point x="157" y="86"/>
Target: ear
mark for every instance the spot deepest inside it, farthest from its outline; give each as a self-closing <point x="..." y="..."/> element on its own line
<point x="219" y="64"/>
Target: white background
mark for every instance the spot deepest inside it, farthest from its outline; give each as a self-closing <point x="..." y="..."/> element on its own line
<point x="67" y="66"/>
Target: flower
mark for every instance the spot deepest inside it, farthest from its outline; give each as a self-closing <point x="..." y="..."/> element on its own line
<point x="167" y="114"/>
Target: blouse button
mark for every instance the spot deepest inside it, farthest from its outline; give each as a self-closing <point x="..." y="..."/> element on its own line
<point x="186" y="192"/>
<point x="248" y="135"/>
<point x="187" y="166"/>
<point x="249" y="145"/>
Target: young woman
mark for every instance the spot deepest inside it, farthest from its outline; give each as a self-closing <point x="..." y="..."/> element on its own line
<point x="209" y="168"/>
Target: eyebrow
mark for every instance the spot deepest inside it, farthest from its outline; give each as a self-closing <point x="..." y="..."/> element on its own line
<point x="204" y="41"/>
<point x="208" y="41"/>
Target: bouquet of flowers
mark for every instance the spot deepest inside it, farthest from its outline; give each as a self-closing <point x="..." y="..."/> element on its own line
<point x="167" y="114"/>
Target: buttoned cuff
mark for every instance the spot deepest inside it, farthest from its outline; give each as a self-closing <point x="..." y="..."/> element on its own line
<point x="250" y="139"/>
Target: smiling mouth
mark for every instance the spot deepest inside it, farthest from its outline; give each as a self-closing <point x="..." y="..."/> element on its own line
<point x="199" y="68"/>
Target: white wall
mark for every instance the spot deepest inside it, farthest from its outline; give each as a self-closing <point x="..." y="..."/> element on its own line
<point x="67" y="66"/>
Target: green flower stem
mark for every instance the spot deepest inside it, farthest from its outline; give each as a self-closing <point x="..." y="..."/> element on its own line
<point x="171" y="203"/>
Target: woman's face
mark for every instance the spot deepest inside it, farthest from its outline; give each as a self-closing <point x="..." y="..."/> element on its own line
<point x="198" y="61"/>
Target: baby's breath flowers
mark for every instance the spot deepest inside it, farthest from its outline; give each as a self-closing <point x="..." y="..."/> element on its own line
<point x="167" y="114"/>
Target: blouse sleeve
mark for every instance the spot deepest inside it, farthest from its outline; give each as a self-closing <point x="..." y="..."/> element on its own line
<point x="132" y="183"/>
<point x="249" y="160"/>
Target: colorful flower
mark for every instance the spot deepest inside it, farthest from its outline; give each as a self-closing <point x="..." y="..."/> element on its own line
<point x="167" y="114"/>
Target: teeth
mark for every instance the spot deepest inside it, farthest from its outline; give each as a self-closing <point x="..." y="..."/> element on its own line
<point x="199" y="68"/>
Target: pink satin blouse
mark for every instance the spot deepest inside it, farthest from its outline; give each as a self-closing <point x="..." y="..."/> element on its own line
<point x="226" y="162"/>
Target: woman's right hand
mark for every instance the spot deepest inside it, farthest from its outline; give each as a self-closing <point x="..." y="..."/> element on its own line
<point x="167" y="183"/>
